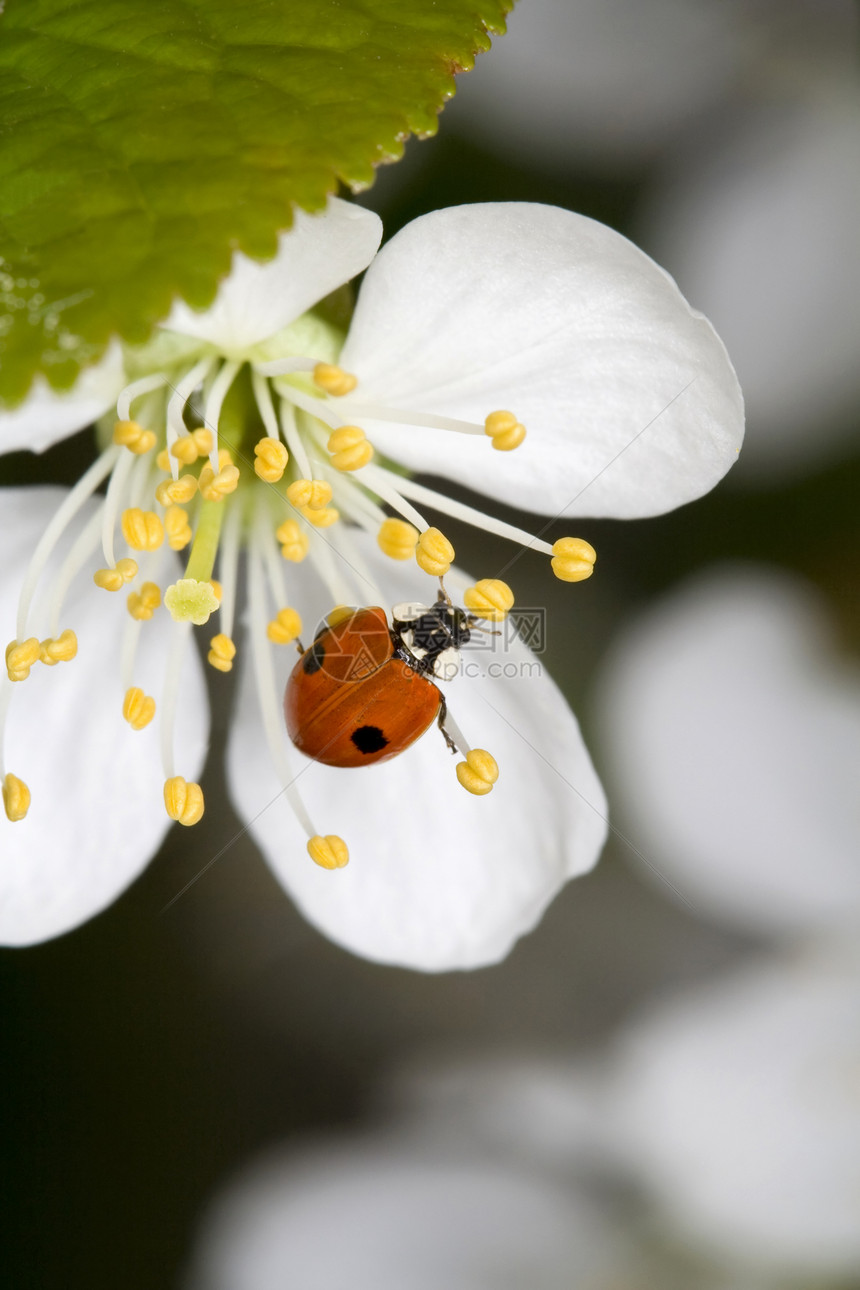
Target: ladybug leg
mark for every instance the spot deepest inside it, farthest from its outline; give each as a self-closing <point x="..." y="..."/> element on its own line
<point x="442" y="597"/>
<point x="440" y="721"/>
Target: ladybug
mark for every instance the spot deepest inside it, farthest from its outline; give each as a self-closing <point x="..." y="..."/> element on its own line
<point x="362" y="693"/>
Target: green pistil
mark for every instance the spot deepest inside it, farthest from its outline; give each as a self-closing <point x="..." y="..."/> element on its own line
<point x="204" y="549"/>
<point x="192" y="599"/>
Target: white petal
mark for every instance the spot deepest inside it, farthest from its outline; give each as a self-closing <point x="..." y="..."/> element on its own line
<point x="97" y="813"/>
<point x="737" y="1108"/>
<point x="47" y="416"/>
<point x="733" y="737"/>
<point x="437" y="879"/>
<point x="761" y="230"/>
<point x="631" y="404"/>
<point x="318" y="254"/>
<point x="407" y="1218"/>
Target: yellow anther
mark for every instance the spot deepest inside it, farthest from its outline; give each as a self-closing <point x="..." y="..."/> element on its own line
<point x="184" y="449"/>
<point x="334" y="380"/>
<point x="222" y="651"/>
<point x="397" y="539"/>
<point x="138" y="708"/>
<point x="180" y="490"/>
<point x="349" y="448"/>
<point x="114" y="579"/>
<point x="339" y="614"/>
<point x="190" y="601"/>
<point x="285" y="627"/>
<point x="271" y="459"/>
<point x="204" y="440"/>
<point x="214" y="488"/>
<point x="162" y="461"/>
<point x="21" y="657"/>
<point x="61" y="649"/>
<point x="216" y="588"/>
<point x="16" y="798"/>
<point x="313" y="493"/>
<point x="178" y="528"/>
<point x="478" y="773"/>
<point x="133" y="437"/>
<point x="294" y="542"/>
<point x="321" y="519"/>
<point x="434" y="553"/>
<point x="573" y="559"/>
<point x="143" y="604"/>
<point x="183" y="801"/>
<point x="505" y="430"/>
<point x="142" y="530"/>
<point x="490" y="599"/>
<point x="329" y="852"/>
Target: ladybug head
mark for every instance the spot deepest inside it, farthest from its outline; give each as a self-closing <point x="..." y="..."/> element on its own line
<point x="433" y="634"/>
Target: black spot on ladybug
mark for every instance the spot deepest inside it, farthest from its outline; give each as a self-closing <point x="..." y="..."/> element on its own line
<point x="313" y="660"/>
<point x="369" y="739"/>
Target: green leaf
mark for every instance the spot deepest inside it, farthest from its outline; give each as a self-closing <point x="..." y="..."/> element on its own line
<point x="141" y="141"/>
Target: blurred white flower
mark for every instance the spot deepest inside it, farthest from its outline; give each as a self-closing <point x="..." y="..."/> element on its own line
<point x="761" y="227"/>
<point x="731" y="733"/>
<point x="394" y="1214"/>
<point x="738" y="1109"/>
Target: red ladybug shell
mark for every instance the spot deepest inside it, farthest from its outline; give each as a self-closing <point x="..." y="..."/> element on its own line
<point x="350" y="702"/>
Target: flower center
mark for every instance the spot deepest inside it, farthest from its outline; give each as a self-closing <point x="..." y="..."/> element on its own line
<point x="215" y="454"/>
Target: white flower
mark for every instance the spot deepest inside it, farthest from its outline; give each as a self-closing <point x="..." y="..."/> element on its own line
<point x="395" y="1214"/>
<point x="738" y="1107"/>
<point x="632" y="408"/>
<point x="761" y="228"/>
<point x="732" y="735"/>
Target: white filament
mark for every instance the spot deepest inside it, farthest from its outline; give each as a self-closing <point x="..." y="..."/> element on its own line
<point x="267" y="692"/>
<point x="145" y="385"/>
<point x="170" y="694"/>
<point x="65" y="513"/>
<point x="182" y="392"/>
<point x="214" y="403"/>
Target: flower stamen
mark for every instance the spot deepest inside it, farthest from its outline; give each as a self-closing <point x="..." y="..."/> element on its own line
<point x="285" y="627"/>
<point x="178" y="491"/>
<point x="505" y="431"/>
<point x="183" y="801"/>
<point x="397" y="539"/>
<point x="116" y="578"/>
<point x="143" y="604"/>
<point x="271" y="459"/>
<point x="309" y="494"/>
<point x="350" y="448"/>
<point x="177" y="527"/>
<point x="129" y="434"/>
<point x="434" y="553"/>
<point x="16" y="798"/>
<point x="59" y="649"/>
<point x="138" y="708"/>
<point x="294" y="542"/>
<point x="478" y="773"/>
<point x="573" y="559"/>
<point x="329" y="852"/>
<point x="20" y="657"/>
<point x="334" y="380"/>
<point x="142" y="530"/>
<point x="490" y="599"/>
<point x="222" y="651"/>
